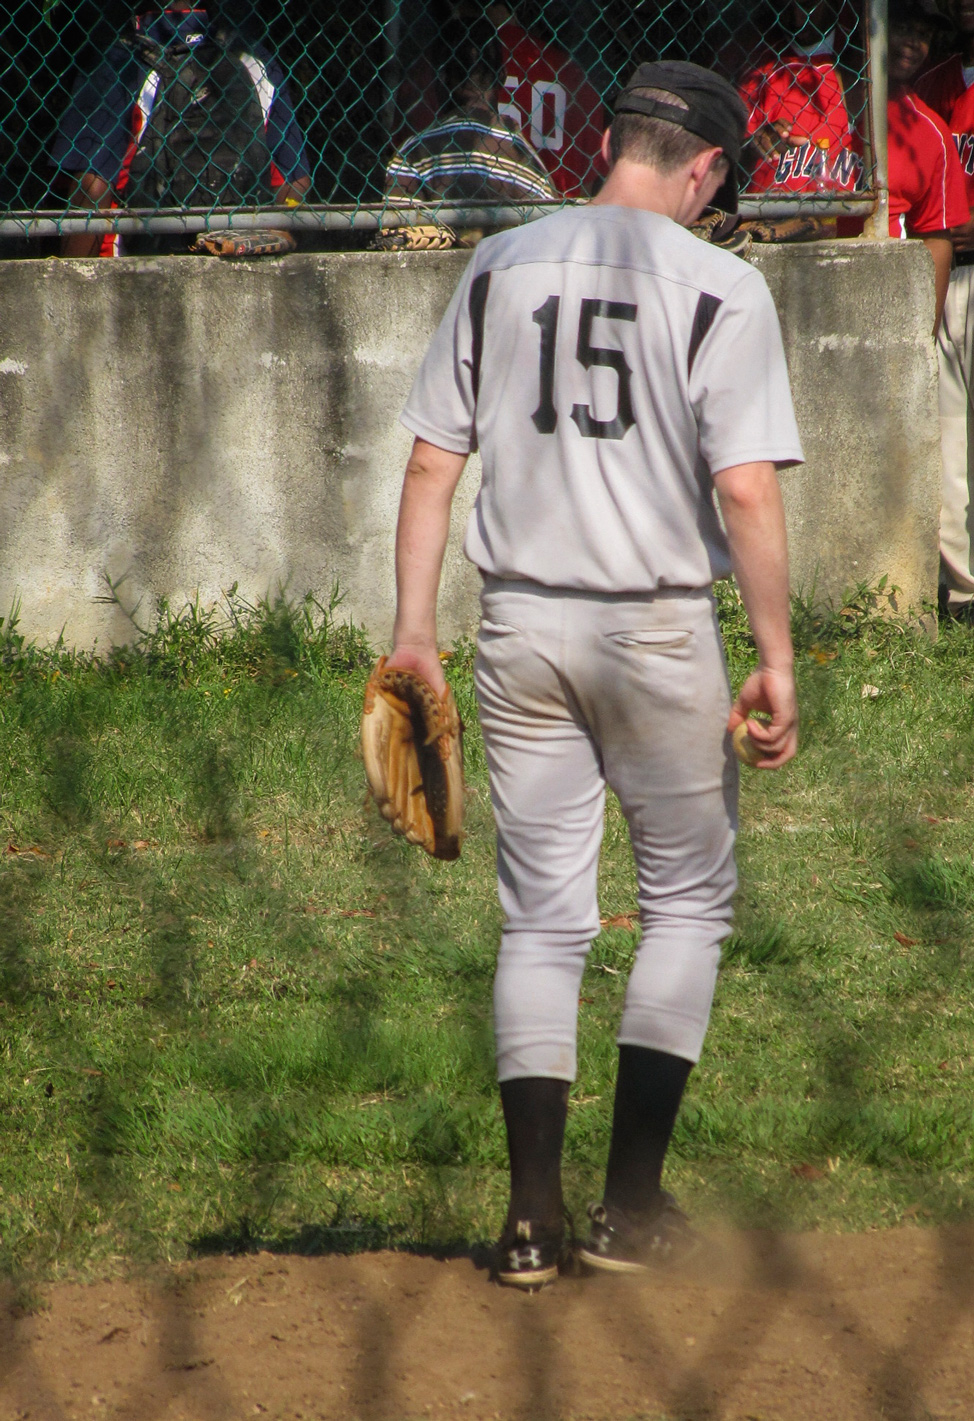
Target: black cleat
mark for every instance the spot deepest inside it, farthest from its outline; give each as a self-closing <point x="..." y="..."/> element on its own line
<point x="622" y="1243"/>
<point x="530" y="1258"/>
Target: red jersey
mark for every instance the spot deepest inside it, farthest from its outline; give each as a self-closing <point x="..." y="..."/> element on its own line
<point x="945" y="90"/>
<point x="557" y="110"/>
<point x="805" y="92"/>
<point x="927" y="190"/>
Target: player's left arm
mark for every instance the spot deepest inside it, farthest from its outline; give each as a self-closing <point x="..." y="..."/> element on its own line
<point x="754" y="516"/>
<point x="432" y="475"/>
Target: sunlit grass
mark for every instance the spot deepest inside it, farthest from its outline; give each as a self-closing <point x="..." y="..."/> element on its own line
<point x="235" y="1009"/>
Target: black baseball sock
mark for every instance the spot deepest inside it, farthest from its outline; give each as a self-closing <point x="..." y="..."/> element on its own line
<point x="535" y="1110"/>
<point x="648" y="1092"/>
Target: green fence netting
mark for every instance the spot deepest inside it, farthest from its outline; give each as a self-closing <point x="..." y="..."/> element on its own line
<point x="322" y="110"/>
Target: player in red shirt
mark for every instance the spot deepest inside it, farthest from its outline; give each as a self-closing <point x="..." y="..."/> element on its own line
<point x="949" y="89"/>
<point x="799" y="124"/>
<point x="545" y="94"/>
<point x="552" y="102"/>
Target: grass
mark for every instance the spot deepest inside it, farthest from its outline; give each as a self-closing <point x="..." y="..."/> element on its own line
<point x="237" y="1013"/>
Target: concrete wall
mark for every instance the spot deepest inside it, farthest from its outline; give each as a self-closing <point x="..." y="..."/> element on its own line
<point x="856" y="319"/>
<point x="181" y="424"/>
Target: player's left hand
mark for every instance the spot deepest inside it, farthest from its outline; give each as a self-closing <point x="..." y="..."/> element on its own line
<point x="424" y="660"/>
<point x="772" y="693"/>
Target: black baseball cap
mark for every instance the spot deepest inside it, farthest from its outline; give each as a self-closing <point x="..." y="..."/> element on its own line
<point x="714" y="111"/>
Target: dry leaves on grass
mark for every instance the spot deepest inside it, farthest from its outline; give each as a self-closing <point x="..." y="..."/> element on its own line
<point x="34" y="851"/>
<point x="620" y="920"/>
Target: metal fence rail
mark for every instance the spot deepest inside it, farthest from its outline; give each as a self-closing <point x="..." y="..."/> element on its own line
<point x="131" y="119"/>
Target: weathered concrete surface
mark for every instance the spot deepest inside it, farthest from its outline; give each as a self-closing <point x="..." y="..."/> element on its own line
<point x="182" y="424"/>
<point x="856" y="321"/>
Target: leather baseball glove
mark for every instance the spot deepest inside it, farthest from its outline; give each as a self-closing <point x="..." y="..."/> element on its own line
<point x="789" y="229"/>
<point x="412" y="745"/>
<point x="258" y="243"/>
<point x="423" y="237"/>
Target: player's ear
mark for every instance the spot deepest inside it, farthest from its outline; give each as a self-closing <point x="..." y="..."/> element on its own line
<point x="704" y="164"/>
<point x="606" y="153"/>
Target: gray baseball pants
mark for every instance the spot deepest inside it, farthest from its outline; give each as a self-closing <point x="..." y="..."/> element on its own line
<point x="576" y="691"/>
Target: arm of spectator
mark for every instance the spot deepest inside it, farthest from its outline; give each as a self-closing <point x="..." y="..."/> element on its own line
<point x="772" y="137"/>
<point x="940" y="209"/>
<point x="962" y="237"/>
<point x="292" y="190"/>
<point x="89" y="191"/>
<point x="290" y="178"/>
<point x="940" y="247"/>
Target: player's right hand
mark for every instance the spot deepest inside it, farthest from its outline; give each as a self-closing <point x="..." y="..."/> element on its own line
<point x="772" y="693"/>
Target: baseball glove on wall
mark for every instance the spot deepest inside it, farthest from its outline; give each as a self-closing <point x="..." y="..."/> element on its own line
<point x="420" y="237"/>
<point x="257" y="243"/>
<point x="412" y="744"/>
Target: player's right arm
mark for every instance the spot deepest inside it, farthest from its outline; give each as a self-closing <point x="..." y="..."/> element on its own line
<point x="432" y="475"/>
<point x="754" y="517"/>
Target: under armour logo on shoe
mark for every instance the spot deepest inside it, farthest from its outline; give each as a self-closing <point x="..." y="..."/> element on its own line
<point x="526" y="1258"/>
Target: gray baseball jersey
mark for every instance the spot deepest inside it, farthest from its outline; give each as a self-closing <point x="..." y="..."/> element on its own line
<point x="606" y="363"/>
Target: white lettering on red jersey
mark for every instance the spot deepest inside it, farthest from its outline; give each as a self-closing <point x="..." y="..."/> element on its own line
<point x="555" y="108"/>
<point x="805" y="94"/>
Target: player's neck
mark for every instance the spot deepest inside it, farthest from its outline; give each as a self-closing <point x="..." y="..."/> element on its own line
<point x="636" y="185"/>
<point x="967" y="49"/>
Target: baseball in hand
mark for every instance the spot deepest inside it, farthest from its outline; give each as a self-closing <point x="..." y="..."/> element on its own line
<point x="748" y="751"/>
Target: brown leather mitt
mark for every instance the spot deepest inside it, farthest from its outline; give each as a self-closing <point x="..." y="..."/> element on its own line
<point x="789" y="229"/>
<point x="258" y="243"/>
<point x="412" y="745"/>
<point x="423" y="237"/>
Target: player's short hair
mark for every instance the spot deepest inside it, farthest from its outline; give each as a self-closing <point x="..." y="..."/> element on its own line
<point x="656" y="142"/>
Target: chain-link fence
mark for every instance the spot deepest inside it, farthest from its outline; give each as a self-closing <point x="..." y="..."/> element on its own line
<point x="129" y="116"/>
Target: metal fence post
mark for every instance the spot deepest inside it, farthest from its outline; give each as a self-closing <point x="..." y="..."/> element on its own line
<point x="877" y="226"/>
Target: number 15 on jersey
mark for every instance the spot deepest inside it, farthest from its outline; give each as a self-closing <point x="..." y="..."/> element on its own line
<point x="545" y="417"/>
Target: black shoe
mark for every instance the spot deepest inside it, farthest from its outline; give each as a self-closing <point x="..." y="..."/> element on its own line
<point x="530" y="1258"/>
<point x="623" y="1243"/>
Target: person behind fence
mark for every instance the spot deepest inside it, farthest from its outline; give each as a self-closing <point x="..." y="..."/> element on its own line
<point x="948" y="88"/>
<point x="181" y="112"/>
<point x="798" y="116"/>
<point x="927" y="192"/>
<point x="470" y="154"/>
<point x="543" y="91"/>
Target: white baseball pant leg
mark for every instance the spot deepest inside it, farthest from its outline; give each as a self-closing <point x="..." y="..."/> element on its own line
<point x="955" y="349"/>
<point x="577" y="691"/>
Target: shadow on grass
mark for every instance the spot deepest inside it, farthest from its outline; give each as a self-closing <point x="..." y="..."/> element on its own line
<point x="121" y="1109"/>
<point x="342" y="1237"/>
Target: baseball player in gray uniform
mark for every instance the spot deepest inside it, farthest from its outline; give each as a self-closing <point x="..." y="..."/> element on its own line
<point x="614" y="373"/>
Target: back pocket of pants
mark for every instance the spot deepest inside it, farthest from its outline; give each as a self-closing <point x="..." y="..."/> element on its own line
<point x="491" y="629"/>
<point x="651" y="639"/>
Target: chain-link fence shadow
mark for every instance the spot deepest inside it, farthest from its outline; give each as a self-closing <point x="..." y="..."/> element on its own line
<point x="160" y="1039"/>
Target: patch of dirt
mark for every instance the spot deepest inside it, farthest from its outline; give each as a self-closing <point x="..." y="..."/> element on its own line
<point x="760" y="1327"/>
